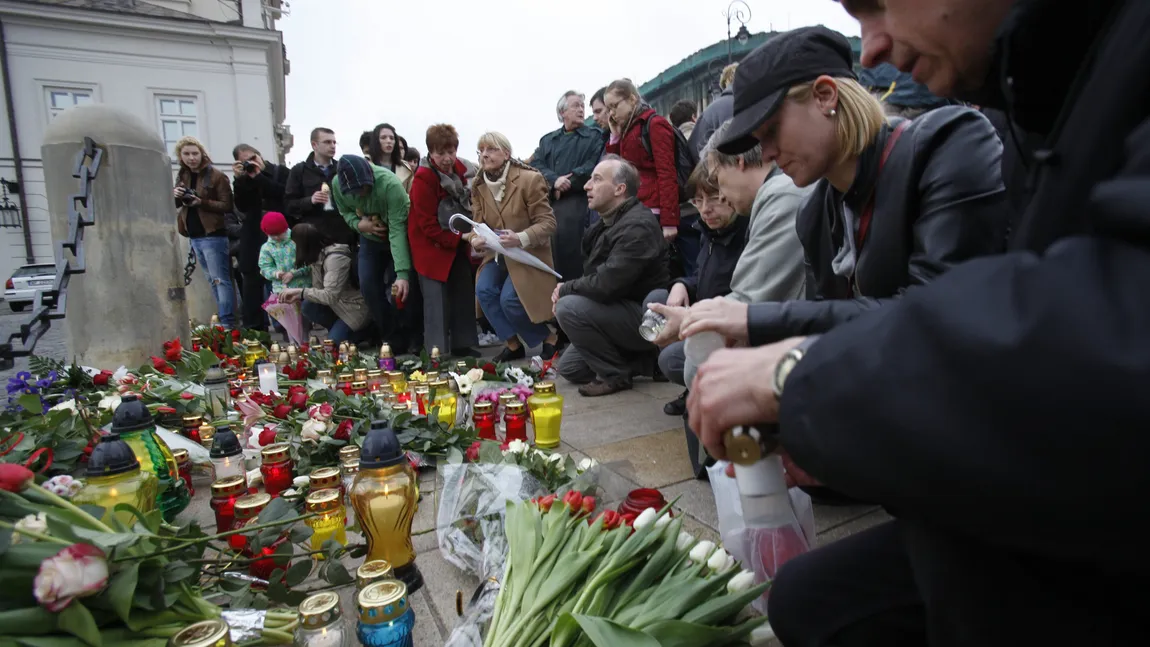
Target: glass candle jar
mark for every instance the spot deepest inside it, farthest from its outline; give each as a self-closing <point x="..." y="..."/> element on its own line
<point x="329" y="520"/>
<point x="442" y="397"/>
<point x="274" y="349"/>
<point x="225" y="491"/>
<point x="360" y="374"/>
<point x="504" y="400"/>
<point x="484" y="420"/>
<point x="227" y="455"/>
<point x="321" y="623"/>
<point x="348" y="468"/>
<point x="248" y="509"/>
<point x="206" y="633"/>
<point x="191" y="427"/>
<point x="114" y="476"/>
<point x="344" y="380"/>
<point x="196" y="344"/>
<point x="218" y="392"/>
<point x="134" y="424"/>
<point x="324" y="478"/>
<point x="184" y="466"/>
<point x="652" y="325"/>
<point x="546" y="414"/>
<point x="348" y="451"/>
<point x="251" y="385"/>
<point x="207" y="436"/>
<point x="371" y="572"/>
<point x="374" y="380"/>
<point x="397" y="409"/>
<point x="329" y="349"/>
<point x="639" y="500"/>
<point x="386" y="359"/>
<point x="385" y="497"/>
<point x="359" y="388"/>
<point x="461" y="367"/>
<point x="253" y="350"/>
<point x="385" y="617"/>
<point x="515" y="421"/>
<point x="430" y="376"/>
<point x="398" y="383"/>
<point x="422" y="398"/>
<point x="324" y="376"/>
<point x="276" y="467"/>
<point x="293" y="353"/>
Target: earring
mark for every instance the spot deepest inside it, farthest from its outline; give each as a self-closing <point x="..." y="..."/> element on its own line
<point x="831" y="113"/>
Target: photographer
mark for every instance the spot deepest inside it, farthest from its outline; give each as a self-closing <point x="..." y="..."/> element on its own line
<point x="259" y="188"/>
<point x="202" y="196"/>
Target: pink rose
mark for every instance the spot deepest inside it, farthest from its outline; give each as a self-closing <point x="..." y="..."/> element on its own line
<point x="322" y="412"/>
<point x="77" y="571"/>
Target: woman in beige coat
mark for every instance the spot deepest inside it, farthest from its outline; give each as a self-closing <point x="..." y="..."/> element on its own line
<point x="511" y="198"/>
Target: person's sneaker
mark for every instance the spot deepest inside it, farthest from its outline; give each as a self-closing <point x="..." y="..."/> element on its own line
<point x="599" y="388"/>
<point x="507" y="355"/>
<point x="677" y="406"/>
<point x="489" y="339"/>
<point x="548" y="352"/>
<point x="464" y="352"/>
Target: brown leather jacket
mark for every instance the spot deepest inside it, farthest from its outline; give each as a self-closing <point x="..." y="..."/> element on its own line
<point x="215" y="193"/>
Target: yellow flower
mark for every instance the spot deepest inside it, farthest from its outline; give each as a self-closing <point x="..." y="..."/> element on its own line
<point x="418" y="376"/>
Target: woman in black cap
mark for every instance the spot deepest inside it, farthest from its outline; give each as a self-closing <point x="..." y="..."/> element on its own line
<point x="895" y="204"/>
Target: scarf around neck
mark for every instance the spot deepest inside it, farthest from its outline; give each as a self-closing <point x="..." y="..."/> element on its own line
<point x="498" y="183"/>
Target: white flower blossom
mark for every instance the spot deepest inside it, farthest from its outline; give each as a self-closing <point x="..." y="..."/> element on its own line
<point x="645" y="518"/>
<point x="762" y="634"/>
<point x="720" y="561"/>
<point x="685" y="541"/>
<point x="291" y="491"/>
<point x="741" y="582"/>
<point x="516" y="447"/>
<point x="312" y="430"/>
<point x="475" y="375"/>
<point x="32" y="523"/>
<point x="663" y="521"/>
<point x="67" y="405"/>
<point x="702" y="551"/>
<point x="555" y="458"/>
<point x="110" y="402"/>
<point x="64" y="486"/>
<point x="527" y="380"/>
<point x="300" y="482"/>
<point x="587" y="463"/>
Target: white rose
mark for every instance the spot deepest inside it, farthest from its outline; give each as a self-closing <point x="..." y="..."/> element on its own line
<point x="76" y="571"/>
<point x="313" y="430"/>
<point x="645" y="518"/>
<point x="67" y="405"/>
<point x="741" y="582"/>
<point x="110" y="402"/>
<point x="587" y="463"/>
<point x="702" y="551"/>
<point x="555" y="458"/>
<point x="32" y="523"/>
<point x="685" y="541"/>
<point x="475" y="375"/>
<point x="720" y="561"/>
<point x="517" y="447"/>
<point x="300" y="482"/>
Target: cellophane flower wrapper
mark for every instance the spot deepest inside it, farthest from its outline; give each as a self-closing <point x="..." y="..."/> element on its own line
<point x="761" y="549"/>
<point x="244" y="624"/>
<point x="289" y="316"/>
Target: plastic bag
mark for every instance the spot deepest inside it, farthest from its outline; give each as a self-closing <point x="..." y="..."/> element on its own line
<point x="787" y="533"/>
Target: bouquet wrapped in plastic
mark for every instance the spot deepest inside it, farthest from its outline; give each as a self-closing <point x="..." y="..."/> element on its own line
<point x="289" y="316"/>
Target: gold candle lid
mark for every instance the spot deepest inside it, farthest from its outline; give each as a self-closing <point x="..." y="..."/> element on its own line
<point x="193" y="422"/>
<point x="348" y="451"/>
<point x="229" y="486"/>
<point x="275" y="348"/>
<point x="373" y="571"/>
<point x="508" y="398"/>
<point x="252" y="344"/>
<point x="359" y="385"/>
<point x="319" y="610"/>
<point x="195" y="338"/>
<point x="385" y="350"/>
<point x="438" y="384"/>
<point x="323" y="478"/>
<point x="275" y="453"/>
<point x="516" y="407"/>
<point x="485" y="407"/>
<point x="328" y="342"/>
<point x="181" y="455"/>
<point x="251" y="505"/>
<point x="400" y="408"/>
<point x="544" y="387"/>
<point x="206" y="633"/>
<point x="461" y="366"/>
<point x="322" y="500"/>
<point x="382" y="601"/>
<point x="207" y="435"/>
<point x="345" y="376"/>
<point x="361" y="374"/>
<point x="374" y="373"/>
<point x="431" y="376"/>
<point x="387" y="387"/>
<point x="422" y="389"/>
<point x="349" y="466"/>
<point x="322" y="373"/>
<point x="395" y="377"/>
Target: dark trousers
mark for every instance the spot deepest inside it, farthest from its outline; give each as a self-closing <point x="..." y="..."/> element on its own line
<point x="449" y="306"/>
<point x="252" y="291"/>
<point x="571" y="217"/>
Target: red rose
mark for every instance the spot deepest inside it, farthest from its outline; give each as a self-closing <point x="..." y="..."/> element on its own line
<point x="235" y="334"/>
<point x="489" y="368"/>
<point x="298" y="401"/>
<point x="13" y="477"/>
<point x="343" y="431"/>
<point x="281" y="411"/>
<point x="102" y="378"/>
<point x="473" y="451"/>
<point x="236" y="392"/>
<point x="296" y="388"/>
<point x="267" y="436"/>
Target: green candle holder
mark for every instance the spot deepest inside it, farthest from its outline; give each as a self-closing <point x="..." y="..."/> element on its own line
<point x="135" y="426"/>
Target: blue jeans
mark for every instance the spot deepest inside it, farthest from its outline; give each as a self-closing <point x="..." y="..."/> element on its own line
<point x="213" y="256"/>
<point x="337" y="330"/>
<point x="375" y="279"/>
<point x="504" y="310"/>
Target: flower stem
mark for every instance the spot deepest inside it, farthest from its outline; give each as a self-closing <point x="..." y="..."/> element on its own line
<point x="68" y="505"/>
<point x="200" y="540"/>
<point x="35" y="535"/>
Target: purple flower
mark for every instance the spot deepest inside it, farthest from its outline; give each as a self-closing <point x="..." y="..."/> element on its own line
<point x="48" y="381"/>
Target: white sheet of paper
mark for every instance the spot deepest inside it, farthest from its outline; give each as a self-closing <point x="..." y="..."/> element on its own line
<point x="492" y="240"/>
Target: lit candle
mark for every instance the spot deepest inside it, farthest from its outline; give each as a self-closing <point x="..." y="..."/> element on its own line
<point x="329" y="519"/>
<point x="269" y="379"/>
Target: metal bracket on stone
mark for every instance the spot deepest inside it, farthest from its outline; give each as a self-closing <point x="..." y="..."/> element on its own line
<point x="81" y="214"/>
<point x="176" y="294"/>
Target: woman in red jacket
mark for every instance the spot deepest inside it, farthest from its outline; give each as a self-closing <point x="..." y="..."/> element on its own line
<point x="659" y="184"/>
<point x="441" y="257"/>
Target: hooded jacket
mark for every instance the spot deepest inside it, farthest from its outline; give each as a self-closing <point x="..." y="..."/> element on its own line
<point x="213" y="189"/>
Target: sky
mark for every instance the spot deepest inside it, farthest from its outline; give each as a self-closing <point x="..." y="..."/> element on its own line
<point x="491" y="65"/>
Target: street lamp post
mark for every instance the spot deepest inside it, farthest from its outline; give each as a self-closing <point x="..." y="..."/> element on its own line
<point x="741" y="12"/>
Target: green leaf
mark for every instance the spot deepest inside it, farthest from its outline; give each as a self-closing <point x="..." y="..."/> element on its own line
<point x="150" y="521"/>
<point x="105" y="540"/>
<point x="283" y="553"/>
<point x="277" y="510"/>
<point x="605" y="633"/>
<point x="30" y="620"/>
<point x="30" y="403"/>
<point x="298" y="572"/>
<point x="300" y="533"/>
<point x="337" y="574"/>
<point x="5" y="539"/>
<point x="78" y="621"/>
<point x="177" y="571"/>
<point x="122" y="589"/>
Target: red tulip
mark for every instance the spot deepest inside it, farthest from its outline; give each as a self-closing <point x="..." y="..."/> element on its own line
<point x="13" y="477"/>
<point x="267" y="436"/>
<point x="473" y="452"/>
<point x="628" y="519"/>
<point x="235" y="334"/>
<point x="187" y="396"/>
<point x="588" y="504"/>
<point x="162" y="366"/>
<point x="611" y="519"/>
<point x="546" y="502"/>
<point x="343" y="431"/>
<point x="281" y="411"/>
<point x="298" y="401"/>
<point x="573" y="500"/>
<point x="102" y="378"/>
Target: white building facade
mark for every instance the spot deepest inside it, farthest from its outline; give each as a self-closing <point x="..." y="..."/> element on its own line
<point x="213" y="69"/>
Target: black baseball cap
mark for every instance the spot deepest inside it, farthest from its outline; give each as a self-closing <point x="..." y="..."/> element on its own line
<point x="766" y="74"/>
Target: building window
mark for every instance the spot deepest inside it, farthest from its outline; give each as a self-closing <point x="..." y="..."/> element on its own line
<point x="179" y="117"/>
<point x="60" y="99"/>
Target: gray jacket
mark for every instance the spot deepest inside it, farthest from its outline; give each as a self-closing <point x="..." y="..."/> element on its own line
<point x="713" y="116"/>
<point x="331" y="281"/>
<point x="771" y="267"/>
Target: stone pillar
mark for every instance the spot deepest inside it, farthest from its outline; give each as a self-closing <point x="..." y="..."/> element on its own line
<point x="130" y="299"/>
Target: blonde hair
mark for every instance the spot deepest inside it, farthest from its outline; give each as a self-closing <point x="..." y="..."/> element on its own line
<point x="492" y="139"/>
<point x="859" y="118"/>
<point x="625" y="89"/>
<point x="188" y="140"/>
<point x="727" y="76"/>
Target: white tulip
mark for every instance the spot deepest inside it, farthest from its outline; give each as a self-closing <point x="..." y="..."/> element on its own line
<point x="291" y="491"/>
<point x="645" y="518"/>
<point x="68" y="405"/>
<point x="517" y="447"/>
<point x="685" y="541"/>
<point x="555" y="458"/>
<point x="110" y="402"/>
<point x="762" y="635"/>
<point x="587" y="463"/>
<point x="663" y="521"/>
<point x="300" y="482"/>
<point x="702" y="551"/>
<point x="721" y="561"/>
<point x="32" y="523"/>
<point x="741" y="582"/>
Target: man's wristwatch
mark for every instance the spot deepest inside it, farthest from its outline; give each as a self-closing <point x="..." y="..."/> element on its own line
<point x="788" y="362"/>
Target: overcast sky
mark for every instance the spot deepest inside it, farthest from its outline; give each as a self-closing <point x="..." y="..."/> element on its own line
<point x="493" y="65"/>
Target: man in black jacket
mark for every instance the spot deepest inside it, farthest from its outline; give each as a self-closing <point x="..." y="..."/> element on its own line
<point x="601" y="310"/>
<point x="259" y="188"/>
<point x="999" y="413"/>
<point x="305" y="196"/>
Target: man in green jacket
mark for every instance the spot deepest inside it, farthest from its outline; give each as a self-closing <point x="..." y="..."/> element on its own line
<point x="372" y="201"/>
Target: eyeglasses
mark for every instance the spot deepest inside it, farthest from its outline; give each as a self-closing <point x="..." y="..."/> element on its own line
<point x="700" y="202"/>
<point x="483" y="151"/>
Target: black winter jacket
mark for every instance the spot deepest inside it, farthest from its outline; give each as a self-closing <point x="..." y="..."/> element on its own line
<point x="255" y="196"/>
<point x="939" y="201"/>
<point x="718" y="254"/>
<point x="626" y="257"/>
<point x="713" y="116"/>
<point x="304" y="180"/>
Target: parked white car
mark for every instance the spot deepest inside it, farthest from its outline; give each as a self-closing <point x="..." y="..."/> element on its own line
<point x="20" y="290"/>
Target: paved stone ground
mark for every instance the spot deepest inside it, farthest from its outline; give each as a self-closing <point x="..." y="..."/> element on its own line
<point x="53" y="344"/>
<point x="627" y="432"/>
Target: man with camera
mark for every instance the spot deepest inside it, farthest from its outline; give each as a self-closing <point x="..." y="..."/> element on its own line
<point x="308" y="197"/>
<point x="259" y="188"/>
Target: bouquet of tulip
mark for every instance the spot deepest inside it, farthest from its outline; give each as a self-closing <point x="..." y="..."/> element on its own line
<point x="573" y="580"/>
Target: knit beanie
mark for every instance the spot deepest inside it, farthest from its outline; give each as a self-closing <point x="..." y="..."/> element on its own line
<point x="274" y="223"/>
<point x="354" y="173"/>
